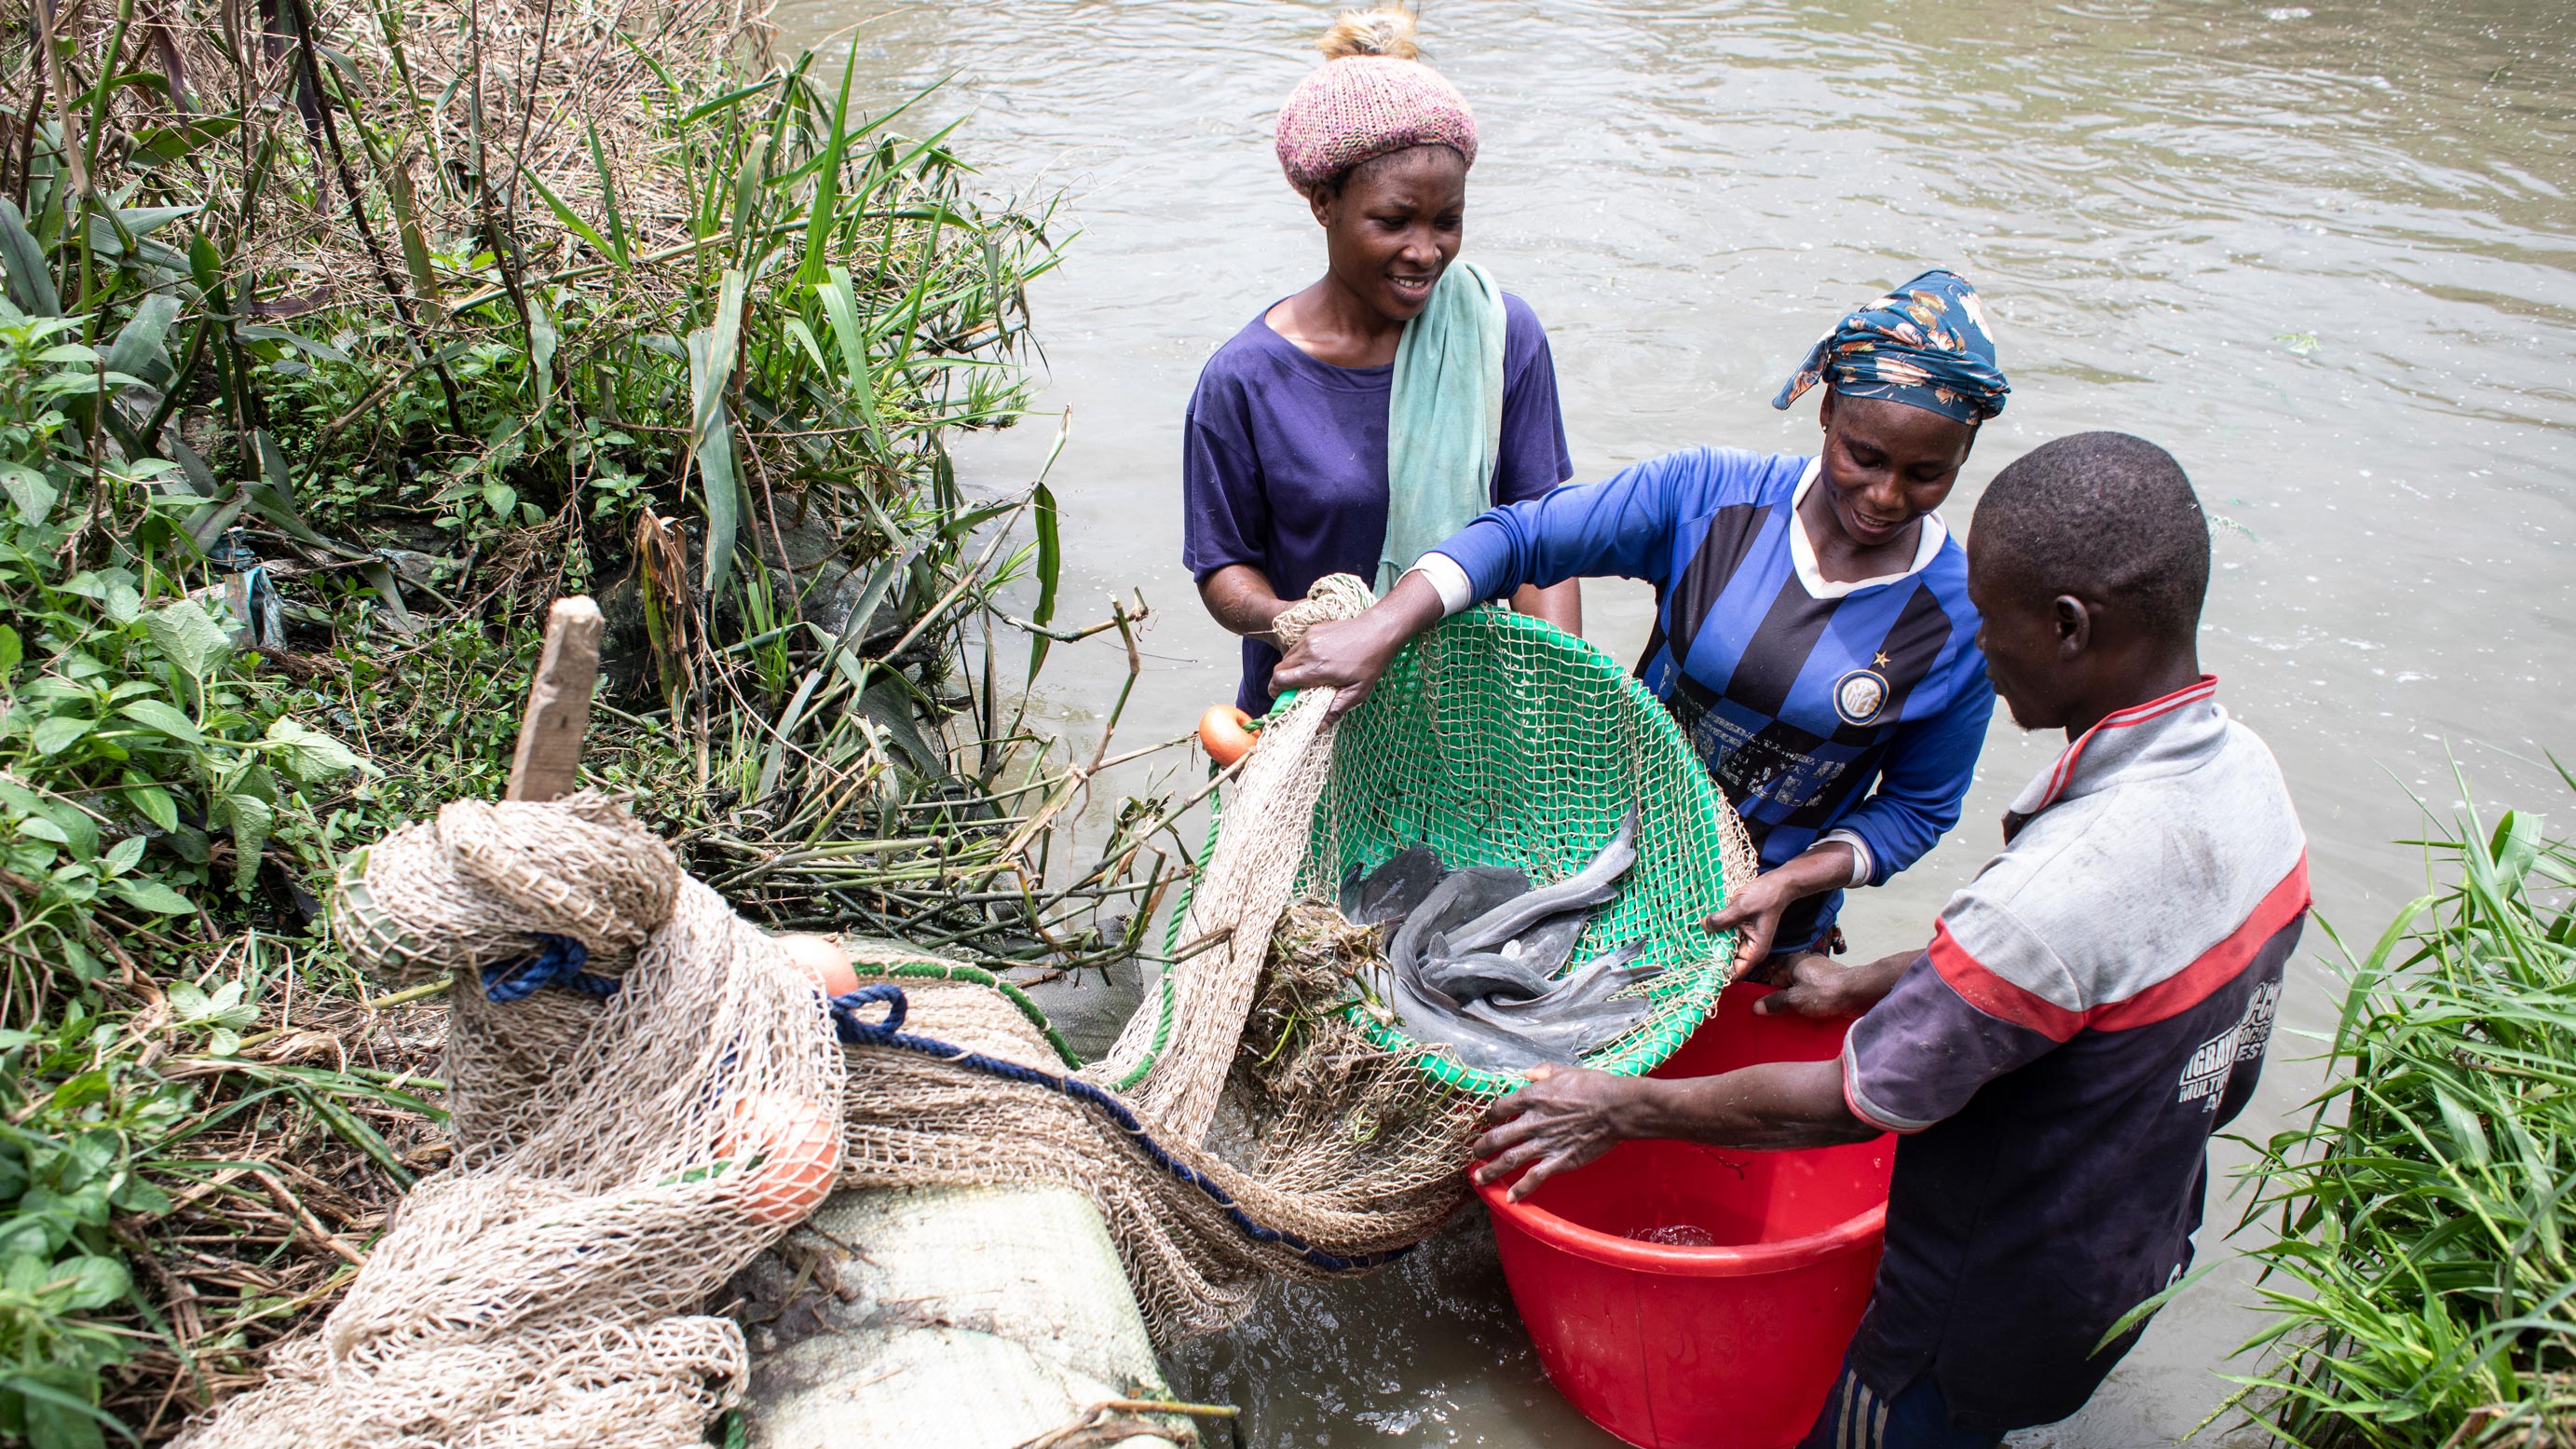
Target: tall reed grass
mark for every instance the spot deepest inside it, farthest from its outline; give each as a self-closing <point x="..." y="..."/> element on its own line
<point x="2422" y="1253"/>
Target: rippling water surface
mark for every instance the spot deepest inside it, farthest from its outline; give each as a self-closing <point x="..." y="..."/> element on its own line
<point x="2325" y="253"/>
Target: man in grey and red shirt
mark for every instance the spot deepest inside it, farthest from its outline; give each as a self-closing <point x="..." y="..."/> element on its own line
<point x="2092" y="1007"/>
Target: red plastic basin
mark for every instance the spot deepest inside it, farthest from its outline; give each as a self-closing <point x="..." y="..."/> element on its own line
<point x="1726" y="1347"/>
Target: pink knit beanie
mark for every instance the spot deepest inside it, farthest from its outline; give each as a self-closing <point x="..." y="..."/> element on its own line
<point x="1369" y="98"/>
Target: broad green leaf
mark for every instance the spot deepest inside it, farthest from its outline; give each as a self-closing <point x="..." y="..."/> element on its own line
<point x="889" y="704"/>
<point x="723" y="102"/>
<point x="57" y="1418"/>
<point x="188" y="637"/>
<point x="804" y="337"/>
<point x="252" y="820"/>
<point x="136" y="1194"/>
<point x="155" y="805"/>
<point x="296" y="340"/>
<point x="11" y="651"/>
<point x="59" y="733"/>
<point x="308" y="754"/>
<point x="141" y="347"/>
<point x="142" y="221"/>
<point x="121" y="856"/>
<point x="81" y="1090"/>
<point x="31" y="282"/>
<point x="840" y="303"/>
<point x="162" y="716"/>
<point x="30" y="490"/>
<point x="96" y="1283"/>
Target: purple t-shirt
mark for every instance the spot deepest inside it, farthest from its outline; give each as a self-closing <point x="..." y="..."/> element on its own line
<point x="1283" y="462"/>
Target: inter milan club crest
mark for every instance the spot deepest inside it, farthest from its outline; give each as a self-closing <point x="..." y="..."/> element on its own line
<point x="1860" y="695"/>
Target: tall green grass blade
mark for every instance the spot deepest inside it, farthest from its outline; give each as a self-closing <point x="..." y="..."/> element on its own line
<point x="614" y="214"/>
<point x="720" y="105"/>
<point x="1050" y="572"/>
<point x="712" y="351"/>
<point x="824" y="213"/>
<point x="2149" y="1308"/>
<point x="571" y="219"/>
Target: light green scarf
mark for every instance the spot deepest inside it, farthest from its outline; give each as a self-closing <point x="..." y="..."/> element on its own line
<point x="1444" y="420"/>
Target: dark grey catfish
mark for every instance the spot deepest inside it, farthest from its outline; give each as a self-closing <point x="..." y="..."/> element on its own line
<point x="1394" y="890"/>
<point x="1598" y="979"/>
<point x="1483" y="973"/>
<point x="1549" y="944"/>
<point x="1567" y="1032"/>
<point x="1462" y="896"/>
<point x="1474" y="1043"/>
<point x="1590" y="886"/>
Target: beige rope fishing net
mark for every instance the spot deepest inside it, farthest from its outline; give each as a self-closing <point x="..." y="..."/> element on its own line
<point x="647" y="1112"/>
<point x="612" y="1167"/>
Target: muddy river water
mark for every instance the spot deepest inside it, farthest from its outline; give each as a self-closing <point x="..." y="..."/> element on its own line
<point x="2324" y="252"/>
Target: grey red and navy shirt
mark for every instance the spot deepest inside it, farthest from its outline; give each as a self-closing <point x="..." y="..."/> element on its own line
<point x="2093" y="1006"/>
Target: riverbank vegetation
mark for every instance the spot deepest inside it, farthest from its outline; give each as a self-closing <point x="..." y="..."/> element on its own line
<point x="339" y="341"/>
<point x="2420" y="1267"/>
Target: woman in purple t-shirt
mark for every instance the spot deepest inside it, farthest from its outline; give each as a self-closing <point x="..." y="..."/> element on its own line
<point x="1284" y="469"/>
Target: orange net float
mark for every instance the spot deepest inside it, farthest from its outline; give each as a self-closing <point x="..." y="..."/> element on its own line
<point x="1225" y="732"/>
<point x="796" y="1145"/>
<point x="821" y="962"/>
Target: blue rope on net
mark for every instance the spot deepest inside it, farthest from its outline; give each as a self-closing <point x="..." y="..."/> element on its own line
<point x="887" y="1031"/>
<point x="560" y="963"/>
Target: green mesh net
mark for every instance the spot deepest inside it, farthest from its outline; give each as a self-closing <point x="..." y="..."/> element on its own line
<point x="1498" y="739"/>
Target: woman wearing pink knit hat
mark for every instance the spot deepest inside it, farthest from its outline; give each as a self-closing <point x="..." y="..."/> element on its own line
<point x="1353" y="425"/>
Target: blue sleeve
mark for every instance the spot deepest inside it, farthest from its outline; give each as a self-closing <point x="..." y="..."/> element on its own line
<point x="1622" y="525"/>
<point x="1926" y="775"/>
<point x="1533" y="456"/>
<point x="1225" y="511"/>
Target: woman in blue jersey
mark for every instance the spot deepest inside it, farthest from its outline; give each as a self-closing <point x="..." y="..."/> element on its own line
<point x="1813" y="635"/>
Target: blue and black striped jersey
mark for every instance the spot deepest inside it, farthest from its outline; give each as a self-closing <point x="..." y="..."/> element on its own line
<point x="1852" y="709"/>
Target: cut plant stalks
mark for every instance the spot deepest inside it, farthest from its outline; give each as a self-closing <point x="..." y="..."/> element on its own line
<point x="2418" y="1265"/>
<point x="433" y="314"/>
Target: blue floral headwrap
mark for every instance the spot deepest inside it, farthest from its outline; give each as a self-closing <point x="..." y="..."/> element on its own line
<point x="1924" y="344"/>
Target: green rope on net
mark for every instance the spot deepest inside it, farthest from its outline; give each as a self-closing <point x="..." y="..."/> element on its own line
<point x="976" y="976"/>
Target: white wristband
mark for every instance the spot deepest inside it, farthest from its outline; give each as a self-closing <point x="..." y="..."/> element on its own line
<point x="1863" y="867"/>
<point x="1447" y="579"/>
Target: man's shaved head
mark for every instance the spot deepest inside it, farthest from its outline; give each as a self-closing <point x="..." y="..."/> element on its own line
<point x="2104" y="517"/>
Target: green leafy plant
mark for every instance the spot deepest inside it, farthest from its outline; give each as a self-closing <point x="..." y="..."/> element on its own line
<point x="2420" y="1266"/>
<point x="319" y="379"/>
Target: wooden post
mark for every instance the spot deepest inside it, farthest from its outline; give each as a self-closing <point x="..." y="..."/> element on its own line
<point x="548" y="762"/>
